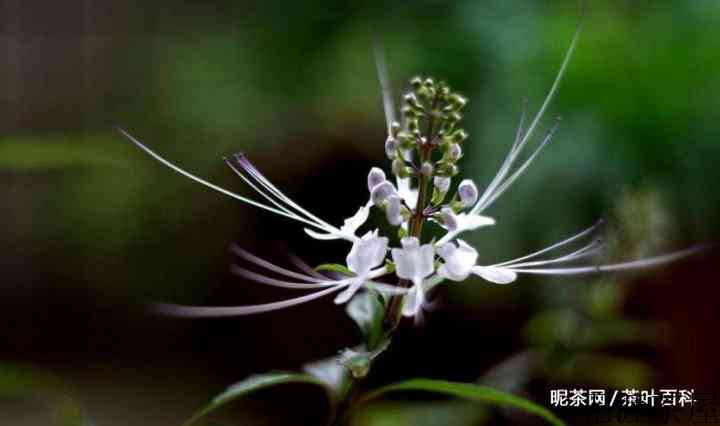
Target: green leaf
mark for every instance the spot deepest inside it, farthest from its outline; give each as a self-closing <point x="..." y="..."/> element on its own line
<point x="335" y="267"/>
<point x="467" y="391"/>
<point x="368" y="313"/>
<point x="252" y="384"/>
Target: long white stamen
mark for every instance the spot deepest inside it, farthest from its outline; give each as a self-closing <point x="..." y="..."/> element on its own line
<point x="555" y="85"/>
<point x="254" y="276"/>
<point x="520" y="132"/>
<point x="589" y="250"/>
<point x="479" y="208"/>
<point x="507" y="163"/>
<point x="517" y="147"/>
<point x="255" y="173"/>
<point x="266" y="195"/>
<point x="201" y="181"/>
<point x="274" y="268"/>
<point x="567" y="241"/>
<point x="303" y="266"/>
<point x="624" y="266"/>
<point x="229" y="311"/>
<point x="382" y="72"/>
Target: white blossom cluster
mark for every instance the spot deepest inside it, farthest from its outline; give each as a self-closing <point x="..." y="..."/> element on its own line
<point x="424" y="147"/>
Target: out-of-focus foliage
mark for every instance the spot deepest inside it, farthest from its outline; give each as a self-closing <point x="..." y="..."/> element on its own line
<point x="25" y="389"/>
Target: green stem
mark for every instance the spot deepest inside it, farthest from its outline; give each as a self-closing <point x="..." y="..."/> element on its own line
<point x="392" y="317"/>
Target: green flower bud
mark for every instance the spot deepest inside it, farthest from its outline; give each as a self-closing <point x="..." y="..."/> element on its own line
<point x="394" y="128"/>
<point x="412" y="100"/>
<point x="416" y="82"/>
<point x="459" y="136"/>
<point x="458" y="101"/>
<point x="454" y="117"/>
<point x="445" y="169"/>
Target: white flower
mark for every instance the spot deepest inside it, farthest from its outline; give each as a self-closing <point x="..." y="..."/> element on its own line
<point x="347" y="230"/>
<point x="460" y="262"/>
<point x="366" y="253"/>
<point x="461" y="222"/>
<point x="414" y="262"/>
<point x="381" y="192"/>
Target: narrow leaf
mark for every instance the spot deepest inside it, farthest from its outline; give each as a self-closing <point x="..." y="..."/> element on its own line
<point x="252" y="384"/>
<point x="467" y="391"/>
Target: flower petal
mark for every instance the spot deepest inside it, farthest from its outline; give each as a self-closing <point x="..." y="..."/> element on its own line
<point x="350" y="291"/>
<point x="367" y="253"/>
<point x="495" y="275"/>
<point x="413" y="301"/>
<point x="413" y="262"/>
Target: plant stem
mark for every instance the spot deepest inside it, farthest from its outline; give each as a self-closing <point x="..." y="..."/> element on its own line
<point x="392" y="317"/>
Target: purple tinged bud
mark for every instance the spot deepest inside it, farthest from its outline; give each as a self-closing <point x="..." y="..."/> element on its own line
<point x="375" y="177"/>
<point x="394" y="211"/>
<point x="391" y="146"/>
<point x="454" y="151"/>
<point x="381" y="192"/>
<point x="426" y="169"/>
<point x="442" y="183"/>
<point x="448" y="218"/>
<point x="467" y="192"/>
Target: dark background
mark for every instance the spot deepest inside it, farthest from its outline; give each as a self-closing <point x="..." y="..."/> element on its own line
<point x="92" y="228"/>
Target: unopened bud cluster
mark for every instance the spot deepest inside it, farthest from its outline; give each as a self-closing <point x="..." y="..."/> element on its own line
<point x="426" y="147"/>
<point x="431" y="113"/>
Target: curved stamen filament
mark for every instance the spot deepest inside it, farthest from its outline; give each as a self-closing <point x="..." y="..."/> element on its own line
<point x="274" y="268"/>
<point x="229" y="311"/>
<point x="254" y="276"/>
<point x="623" y="266"/>
<point x="210" y="185"/>
<point x="520" y="143"/>
<point x="255" y="173"/>
<point x="564" y="242"/>
<point x="589" y="250"/>
<point x="479" y="208"/>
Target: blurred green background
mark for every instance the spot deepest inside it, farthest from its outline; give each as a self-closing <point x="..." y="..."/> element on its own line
<point x="93" y="228"/>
